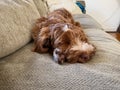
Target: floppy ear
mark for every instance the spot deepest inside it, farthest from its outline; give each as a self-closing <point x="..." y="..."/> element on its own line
<point x="42" y="43"/>
<point x="62" y="40"/>
<point x="39" y="48"/>
<point x="66" y="37"/>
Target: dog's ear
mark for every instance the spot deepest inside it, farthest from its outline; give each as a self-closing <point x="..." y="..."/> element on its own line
<point x="42" y="43"/>
<point x="39" y="48"/>
<point x="68" y="37"/>
<point x="63" y="40"/>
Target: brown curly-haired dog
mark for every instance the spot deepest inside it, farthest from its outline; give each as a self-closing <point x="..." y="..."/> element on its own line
<point x="59" y="33"/>
<point x="70" y="44"/>
<point x="40" y="32"/>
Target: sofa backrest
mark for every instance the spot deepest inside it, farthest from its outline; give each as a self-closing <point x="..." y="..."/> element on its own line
<point x="16" y="21"/>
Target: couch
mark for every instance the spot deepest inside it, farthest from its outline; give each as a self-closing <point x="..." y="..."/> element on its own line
<point x="22" y="69"/>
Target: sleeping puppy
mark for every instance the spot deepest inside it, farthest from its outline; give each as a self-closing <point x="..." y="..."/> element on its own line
<point x="41" y="30"/>
<point x="59" y="33"/>
<point x="70" y="44"/>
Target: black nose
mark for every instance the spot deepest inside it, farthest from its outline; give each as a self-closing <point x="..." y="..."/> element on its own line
<point x="61" y="59"/>
<point x="84" y="57"/>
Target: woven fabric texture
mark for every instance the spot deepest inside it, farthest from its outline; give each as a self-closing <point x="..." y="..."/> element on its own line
<point x="41" y="7"/>
<point x="27" y="70"/>
<point x="16" y="21"/>
<point x="87" y="22"/>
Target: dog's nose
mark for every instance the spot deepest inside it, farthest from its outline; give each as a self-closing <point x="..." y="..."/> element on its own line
<point x="84" y="57"/>
<point x="61" y="59"/>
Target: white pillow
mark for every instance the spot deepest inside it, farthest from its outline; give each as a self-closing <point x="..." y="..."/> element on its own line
<point x="16" y="19"/>
<point x="67" y="4"/>
<point x="106" y="12"/>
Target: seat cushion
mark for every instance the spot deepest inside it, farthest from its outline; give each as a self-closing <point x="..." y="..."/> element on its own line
<point x="87" y="21"/>
<point x="16" y="19"/>
<point x="27" y="70"/>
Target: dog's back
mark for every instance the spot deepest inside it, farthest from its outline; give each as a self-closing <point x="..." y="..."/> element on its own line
<point x="63" y="15"/>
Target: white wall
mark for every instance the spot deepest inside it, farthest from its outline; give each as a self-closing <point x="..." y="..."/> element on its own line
<point x="106" y="12"/>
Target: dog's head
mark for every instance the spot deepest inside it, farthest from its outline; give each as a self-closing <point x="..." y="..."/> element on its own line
<point x="80" y="52"/>
<point x="77" y="53"/>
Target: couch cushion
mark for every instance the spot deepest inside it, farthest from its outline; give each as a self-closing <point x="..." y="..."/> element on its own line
<point x="26" y="70"/>
<point x="67" y="4"/>
<point x="41" y="6"/>
<point x="87" y="21"/>
<point x="16" y="19"/>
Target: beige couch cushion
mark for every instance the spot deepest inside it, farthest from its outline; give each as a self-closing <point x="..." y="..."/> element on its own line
<point x="41" y="6"/>
<point x="16" y="19"/>
<point x="67" y="4"/>
<point x="26" y="70"/>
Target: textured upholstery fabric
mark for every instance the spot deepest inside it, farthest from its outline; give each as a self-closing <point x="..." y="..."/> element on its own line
<point x="16" y="19"/>
<point x="87" y="21"/>
<point x="26" y="70"/>
<point x="41" y="6"/>
<point x="68" y="4"/>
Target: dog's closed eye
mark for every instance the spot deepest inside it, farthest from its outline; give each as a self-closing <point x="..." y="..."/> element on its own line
<point x="84" y="56"/>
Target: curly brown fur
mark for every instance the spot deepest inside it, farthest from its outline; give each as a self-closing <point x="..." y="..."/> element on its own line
<point x="70" y="44"/>
<point x="41" y="36"/>
<point x="59" y="33"/>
